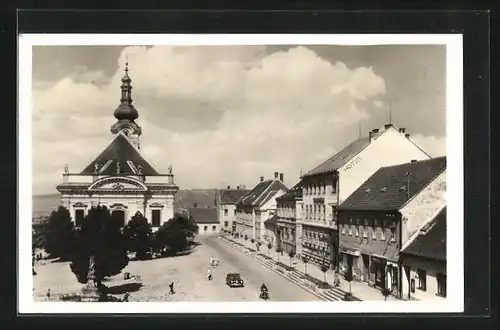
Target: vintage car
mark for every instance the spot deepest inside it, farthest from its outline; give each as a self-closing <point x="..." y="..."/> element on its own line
<point x="234" y="280"/>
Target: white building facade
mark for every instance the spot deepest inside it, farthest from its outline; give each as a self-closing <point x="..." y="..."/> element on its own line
<point x="329" y="184"/>
<point x="120" y="178"/>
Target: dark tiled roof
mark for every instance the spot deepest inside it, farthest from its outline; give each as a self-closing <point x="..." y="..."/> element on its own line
<point x="256" y="195"/>
<point x="343" y="156"/>
<point x="272" y="221"/>
<point x="231" y="196"/>
<point x="430" y="242"/>
<point x="120" y="151"/>
<point x="269" y="193"/>
<point x="204" y="215"/>
<point x="387" y="188"/>
<point x="292" y="194"/>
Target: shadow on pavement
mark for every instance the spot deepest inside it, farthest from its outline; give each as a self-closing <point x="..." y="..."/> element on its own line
<point x="123" y="288"/>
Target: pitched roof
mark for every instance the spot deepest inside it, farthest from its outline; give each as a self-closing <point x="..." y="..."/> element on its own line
<point x="430" y="241"/>
<point x="387" y="189"/>
<point x="120" y="151"/>
<point x="343" y="156"/>
<point x="203" y="215"/>
<point x="271" y="221"/>
<point x="231" y="196"/>
<point x="294" y="193"/>
<point x="257" y="194"/>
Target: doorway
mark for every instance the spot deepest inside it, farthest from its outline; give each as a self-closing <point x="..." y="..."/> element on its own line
<point x="366" y="267"/>
<point x="118" y="217"/>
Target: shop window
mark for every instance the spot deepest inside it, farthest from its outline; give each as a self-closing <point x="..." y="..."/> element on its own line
<point x="225" y="212"/>
<point x="422" y="279"/>
<point x="441" y="285"/>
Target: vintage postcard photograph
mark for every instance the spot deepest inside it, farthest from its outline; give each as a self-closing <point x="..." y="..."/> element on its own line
<point x="240" y="173"/>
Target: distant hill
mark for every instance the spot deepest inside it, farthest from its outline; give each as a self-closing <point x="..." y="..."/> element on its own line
<point x="44" y="204"/>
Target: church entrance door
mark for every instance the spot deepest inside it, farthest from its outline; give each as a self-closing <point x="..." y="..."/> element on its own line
<point x="118" y="217"/>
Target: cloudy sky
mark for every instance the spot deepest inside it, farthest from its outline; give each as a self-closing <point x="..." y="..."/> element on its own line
<point x="228" y="115"/>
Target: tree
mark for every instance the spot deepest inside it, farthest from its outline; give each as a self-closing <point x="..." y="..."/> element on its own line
<point x="58" y="235"/>
<point x="175" y="235"/>
<point x="324" y="269"/>
<point x="291" y="254"/>
<point x="99" y="239"/>
<point x="138" y="234"/>
<point x="269" y="247"/>
<point x="305" y="261"/>
<point x="348" y="277"/>
<point x="279" y="250"/>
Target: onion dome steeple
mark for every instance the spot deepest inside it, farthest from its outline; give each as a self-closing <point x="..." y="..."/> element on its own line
<point x="126" y="110"/>
<point x="126" y="113"/>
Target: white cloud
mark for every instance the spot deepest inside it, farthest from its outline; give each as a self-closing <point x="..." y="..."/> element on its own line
<point x="432" y="145"/>
<point x="220" y="115"/>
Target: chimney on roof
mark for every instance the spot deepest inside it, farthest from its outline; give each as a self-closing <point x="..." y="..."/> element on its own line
<point x="228" y="187"/>
<point x="195" y="205"/>
<point x="407" y="135"/>
<point x="370" y="136"/>
<point x="387" y="126"/>
<point x="281" y="177"/>
<point x="402" y="130"/>
<point x="276" y="175"/>
<point x="413" y="161"/>
<point x="261" y="179"/>
<point x="375" y="130"/>
<point x="237" y="187"/>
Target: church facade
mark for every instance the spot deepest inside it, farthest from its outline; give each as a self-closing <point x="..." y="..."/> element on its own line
<point x="119" y="177"/>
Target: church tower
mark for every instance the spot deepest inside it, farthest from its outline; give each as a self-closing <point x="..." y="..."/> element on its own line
<point x="126" y="113"/>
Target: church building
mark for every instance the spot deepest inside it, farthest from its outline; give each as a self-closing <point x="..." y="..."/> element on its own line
<point x="119" y="177"/>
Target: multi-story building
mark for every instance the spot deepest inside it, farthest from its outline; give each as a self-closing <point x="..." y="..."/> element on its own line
<point x="330" y="183"/>
<point x="424" y="261"/>
<point x="120" y="178"/>
<point x="383" y="213"/>
<point x="226" y="200"/>
<point x="289" y="209"/>
<point x="206" y="220"/>
<point x="258" y="205"/>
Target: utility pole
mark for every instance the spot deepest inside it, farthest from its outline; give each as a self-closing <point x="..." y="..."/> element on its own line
<point x="390" y="111"/>
<point x="408" y="177"/>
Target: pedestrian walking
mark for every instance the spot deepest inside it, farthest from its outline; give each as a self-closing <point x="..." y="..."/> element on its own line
<point x="171" y="286"/>
<point x="48" y="294"/>
<point x="125" y="297"/>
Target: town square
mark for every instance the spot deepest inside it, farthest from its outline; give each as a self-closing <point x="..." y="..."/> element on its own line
<point x="239" y="173"/>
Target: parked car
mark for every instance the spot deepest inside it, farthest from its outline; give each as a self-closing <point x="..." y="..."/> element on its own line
<point x="234" y="280"/>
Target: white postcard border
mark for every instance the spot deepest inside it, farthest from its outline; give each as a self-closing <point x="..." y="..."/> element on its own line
<point x="454" y="133"/>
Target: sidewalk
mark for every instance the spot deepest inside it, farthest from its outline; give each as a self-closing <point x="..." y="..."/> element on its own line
<point x="360" y="290"/>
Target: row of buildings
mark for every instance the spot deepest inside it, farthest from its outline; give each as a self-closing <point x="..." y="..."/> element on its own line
<point x="377" y="207"/>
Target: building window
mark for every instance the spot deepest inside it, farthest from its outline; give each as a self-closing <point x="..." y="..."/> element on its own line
<point x="393" y="234"/>
<point x="350" y="226"/>
<point x="156" y="215"/>
<point x="205" y="228"/>
<point x="334" y="187"/>
<point x="324" y="188"/>
<point x="79" y="216"/>
<point x="382" y="231"/>
<point x="441" y="285"/>
<point x="234" y="212"/>
<point x="343" y="230"/>
<point x="225" y="212"/>
<point x="225" y="223"/>
<point x="422" y="279"/>
<point x="324" y="212"/>
<point x="213" y="228"/>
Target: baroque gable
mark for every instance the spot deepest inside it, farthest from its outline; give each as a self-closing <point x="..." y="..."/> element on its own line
<point x="118" y="184"/>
